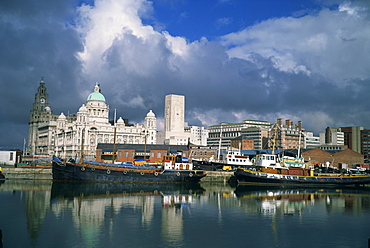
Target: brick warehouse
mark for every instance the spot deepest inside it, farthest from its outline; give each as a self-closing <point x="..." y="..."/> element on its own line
<point x="341" y="157"/>
<point x="129" y="152"/>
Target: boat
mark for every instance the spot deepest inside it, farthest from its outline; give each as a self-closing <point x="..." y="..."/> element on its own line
<point x="230" y="161"/>
<point x="269" y="172"/>
<point x="174" y="169"/>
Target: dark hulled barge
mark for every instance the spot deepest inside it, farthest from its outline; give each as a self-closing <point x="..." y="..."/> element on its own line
<point x="172" y="170"/>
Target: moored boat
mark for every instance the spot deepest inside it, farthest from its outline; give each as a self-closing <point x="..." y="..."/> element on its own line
<point x="230" y="161"/>
<point x="174" y="169"/>
<point x="270" y="172"/>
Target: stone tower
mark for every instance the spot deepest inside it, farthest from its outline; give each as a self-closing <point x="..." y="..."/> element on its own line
<point x="174" y="115"/>
<point x="41" y="112"/>
<point x="174" y="121"/>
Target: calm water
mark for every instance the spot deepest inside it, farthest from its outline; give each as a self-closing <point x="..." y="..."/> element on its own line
<point x="43" y="214"/>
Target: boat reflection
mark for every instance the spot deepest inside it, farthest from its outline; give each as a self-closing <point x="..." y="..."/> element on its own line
<point x="290" y="201"/>
<point x="83" y="189"/>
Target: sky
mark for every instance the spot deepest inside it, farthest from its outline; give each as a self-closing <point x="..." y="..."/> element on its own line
<point x="233" y="60"/>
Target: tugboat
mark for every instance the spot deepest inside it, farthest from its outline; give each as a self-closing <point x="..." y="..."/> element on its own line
<point x="269" y="172"/>
<point x="292" y="171"/>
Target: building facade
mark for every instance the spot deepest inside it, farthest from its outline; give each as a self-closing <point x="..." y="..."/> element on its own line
<point x="198" y="135"/>
<point x="352" y="137"/>
<point x="242" y="143"/>
<point x="152" y="153"/>
<point x="365" y="145"/>
<point x="332" y="136"/>
<point x="223" y="133"/>
<point x="333" y="158"/>
<point x="78" y="134"/>
<point x="286" y="136"/>
<point x="259" y="135"/>
<point x="203" y="153"/>
<point x="311" y="141"/>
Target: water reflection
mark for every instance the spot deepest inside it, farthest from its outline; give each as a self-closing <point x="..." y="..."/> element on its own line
<point x="275" y="201"/>
<point x="97" y="213"/>
<point x="90" y="202"/>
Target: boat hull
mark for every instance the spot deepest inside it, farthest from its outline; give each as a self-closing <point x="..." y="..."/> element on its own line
<point x="245" y="177"/>
<point x="78" y="173"/>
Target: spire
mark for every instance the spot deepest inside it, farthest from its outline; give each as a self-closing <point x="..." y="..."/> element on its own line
<point x="97" y="88"/>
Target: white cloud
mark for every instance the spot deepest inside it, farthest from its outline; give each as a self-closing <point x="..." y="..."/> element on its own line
<point x="331" y="43"/>
<point x="109" y="20"/>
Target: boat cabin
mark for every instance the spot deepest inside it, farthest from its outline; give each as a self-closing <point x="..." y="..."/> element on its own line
<point x="267" y="160"/>
<point x="236" y="158"/>
<point x="177" y="162"/>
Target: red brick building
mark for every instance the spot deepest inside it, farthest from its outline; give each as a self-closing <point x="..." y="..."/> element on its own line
<point x="131" y="152"/>
<point x="242" y="143"/>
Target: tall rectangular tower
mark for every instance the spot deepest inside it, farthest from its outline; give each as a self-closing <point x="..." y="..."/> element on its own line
<point x="174" y="121"/>
<point x="174" y="114"/>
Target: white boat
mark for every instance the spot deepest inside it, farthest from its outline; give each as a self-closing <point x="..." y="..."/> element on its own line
<point x="232" y="159"/>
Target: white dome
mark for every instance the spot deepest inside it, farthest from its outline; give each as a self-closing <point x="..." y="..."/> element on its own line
<point x="82" y="108"/>
<point x="150" y="114"/>
<point x="62" y="117"/>
<point x="120" y="121"/>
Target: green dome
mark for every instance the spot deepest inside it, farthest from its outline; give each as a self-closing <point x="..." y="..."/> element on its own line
<point x="96" y="96"/>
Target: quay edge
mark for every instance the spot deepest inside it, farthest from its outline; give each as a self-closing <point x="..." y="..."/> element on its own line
<point x="28" y="173"/>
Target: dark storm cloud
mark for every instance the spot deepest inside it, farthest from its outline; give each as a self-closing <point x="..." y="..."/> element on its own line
<point x="35" y="43"/>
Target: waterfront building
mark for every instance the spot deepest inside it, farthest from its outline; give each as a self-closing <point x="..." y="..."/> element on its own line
<point x="332" y="136"/>
<point x="10" y="157"/>
<point x="153" y="153"/>
<point x="78" y="134"/>
<point x="223" y="133"/>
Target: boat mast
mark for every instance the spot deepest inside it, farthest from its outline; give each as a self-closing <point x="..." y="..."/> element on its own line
<point x="219" y="146"/>
<point x="299" y="144"/>
<point x="114" y="138"/>
<point x="82" y="144"/>
<point x="273" y="139"/>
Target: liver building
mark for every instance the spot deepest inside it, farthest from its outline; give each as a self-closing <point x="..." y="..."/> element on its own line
<point x="70" y="135"/>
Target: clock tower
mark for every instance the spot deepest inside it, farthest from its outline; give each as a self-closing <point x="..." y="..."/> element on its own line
<point x="40" y="113"/>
